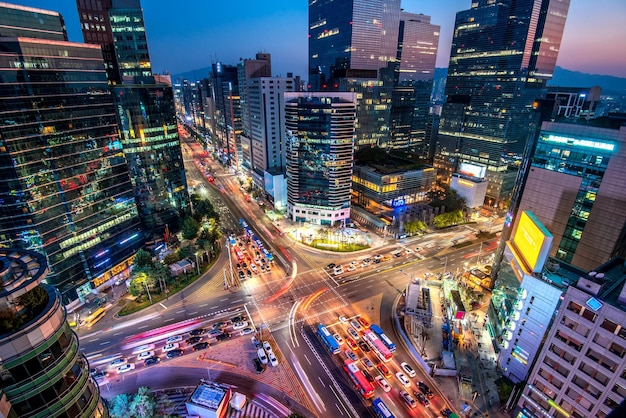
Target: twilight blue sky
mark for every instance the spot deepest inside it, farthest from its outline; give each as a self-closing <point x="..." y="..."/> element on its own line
<point x="189" y="34"/>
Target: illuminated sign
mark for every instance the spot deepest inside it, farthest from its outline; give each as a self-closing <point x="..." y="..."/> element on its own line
<point x="594" y="304"/>
<point x="532" y="241"/>
<point x="520" y="354"/>
<point x="607" y="146"/>
<point x="473" y="170"/>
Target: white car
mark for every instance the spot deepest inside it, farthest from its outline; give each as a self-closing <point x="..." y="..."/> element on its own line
<point x="408" y="369"/>
<point x="350" y="355"/>
<point x="408" y="251"/>
<point x="338" y="338"/>
<point x="125" y="368"/>
<point x="118" y="362"/>
<point x="353" y="333"/>
<point x="240" y="325"/>
<point x="253" y="268"/>
<point x="246" y="331"/>
<point x="343" y="319"/>
<point x="145" y="355"/>
<point x="351" y="268"/>
<point x="262" y="356"/>
<point x="338" y="271"/>
<point x="170" y="347"/>
<point x="267" y="346"/>
<point x="354" y="263"/>
<point x="273" y="359"/>
<point x="403" y="379"/>
<point x="383" y="383"/>
<point x="174" y="339"/>
<point x="354" y="324"/>
<point x="365" y="264"/>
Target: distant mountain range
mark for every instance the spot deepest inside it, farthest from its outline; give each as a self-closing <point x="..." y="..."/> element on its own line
<point x="562" y="78"/>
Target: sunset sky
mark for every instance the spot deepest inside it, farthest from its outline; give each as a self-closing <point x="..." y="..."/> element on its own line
<point x="199" y="32"/>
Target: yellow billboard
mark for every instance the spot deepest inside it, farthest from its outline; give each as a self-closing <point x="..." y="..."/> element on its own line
<point x="532" y="241"/>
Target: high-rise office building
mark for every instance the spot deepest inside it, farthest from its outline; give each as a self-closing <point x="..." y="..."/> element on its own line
<point x="351" y="38"/>
<point x="44" y="373"/>
<point x="226" y="112"/>
<point x="247" y="70"/>
<point x="580" y="371"/>
<point x="502" y="54"/>
<point x="145" y="110"/>
<point x="65" y="187"/>
<point x="320" y="135"/>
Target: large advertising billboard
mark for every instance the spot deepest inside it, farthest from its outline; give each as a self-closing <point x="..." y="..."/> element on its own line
<point x="532" y="241"/>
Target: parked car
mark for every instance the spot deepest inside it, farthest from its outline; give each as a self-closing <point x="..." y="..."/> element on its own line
<point x="145" y="355"/>
<point x="246" y="331"/>
<point x="175" y="353"/>
<point x="363" y="322"/>
<point x="200" y="346"/>
<point x="350" y="355"/>
<point x="170" y="347"/>
<point x="383" y="383"/>
<point x="273" y="359"/>
<point x="352" y="343"/>
<point x="151" y="360"/>
<point x="258" y="367"/>
<point x="354" y="324"/>
<point x="364" y="347"/>
<point x="384" y="370"/>
<point x="255" y="342"/>
<point x="353" y="334"/>
<point x="408" y="369"/>
<point x="125" y="368"/>
<point x="338" y="338"/>
<point x="330" y="265"/>
<point x="240" y="325"/>
<point x="266" y="346"/>
<point x="425" y="390"/>
<point x="343" y="319"/>
<point x="262" y="356"/>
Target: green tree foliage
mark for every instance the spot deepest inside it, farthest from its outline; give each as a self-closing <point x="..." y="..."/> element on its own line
<point x="186" y="251"/>
<point x="412" y="227"/>
<point x="140" y="280"/>
<point x="190" y="228"/>
<point x="119" y="406"/>
<point x="34" y="299"/>
<point x="202" y="208"/>
<point x="142" y="259"/>
<point x="446" y="197"/>
<point x="143" y="404"/>
<point x="9" y="320"/>
<point x="448" y="219"/>
<point x="171" y="258"/>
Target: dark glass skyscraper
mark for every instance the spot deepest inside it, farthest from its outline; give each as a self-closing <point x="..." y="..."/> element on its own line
<point x="64" y="183"/>
<point x="145" y="112"/>
<point x="502" y="54"/>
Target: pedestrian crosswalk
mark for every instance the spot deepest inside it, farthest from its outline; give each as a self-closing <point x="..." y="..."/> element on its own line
<point x="177" y="399"/>
<point x="251" y="410"/>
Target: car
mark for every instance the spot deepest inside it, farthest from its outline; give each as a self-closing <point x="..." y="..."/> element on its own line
<point x="258" y="367"/>
<point x="365" y="263"/>
<point x="367" y="362"/>
<point x="383" y="383"/>
<point x="262" y="267"/>
<point x="240" y="325"/>
<point x="255" y="342"/>
<point x="246" y="331"/>
<point x="343" y="319"/>
<point x="239" y="318"/>
<point x="219" y="325"/>
<point x="249" y="274"/>
<point x="125" y="368"/>
<point x="351" y="268"/>
<point x="151" y="360"/>
<point x="408" y="399"/>
<point x="377" y="261"/>
<point x="253" y="268"/>
<point x="197" y="331"/>
<point x="378" y="257"/>
<point x="266" y="346"/>
<point x="200" y="346"/>
<point x="244" y="265"/>
<point x="174" y="339"/>
<point x="408" y="251"/>
<point x="99" y="375"/>
<point x="403" y="379"/>
<point x="170" y="347"/>
<point x="408" y="369"/>
<point x="223" y="336"/>
<point x="354" y="324"/>
<point x="446" y="412"/>
<point x="364" y="347"/>
<point x="273" y="359"/>
<point x="338" y="271"/>
<point x="145" y="355"/>
<point x="330" y="265"/>
<point x="238" y="266"/>
<point x="242" y="275"/>
<point x="397" y="253"/>
<point x="193" y="340"/>
<point x="425" y="390"/>
<point x="350" y="355"/>
<point x="352" y="343"/>
<point x="118" y="362"/>
<point x="262" y="356"/>
<point x="422" y="399"/>
<point x="353" y="333"/>
<point x="338" y="338"/>
<point x="354" y="263"/>
<point x="384" y="370"/>
<point x="215" y="332"/>
<point x="175" y="353"/>
<point x="363" y="322"/>
<point x="368" y="376"/>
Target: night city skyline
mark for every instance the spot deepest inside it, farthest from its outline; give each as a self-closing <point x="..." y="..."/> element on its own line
<point x="220" y="31"/>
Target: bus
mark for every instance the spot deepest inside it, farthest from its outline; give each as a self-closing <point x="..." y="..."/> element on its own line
<point x="243" y="223"/>
<point x="249" y="232"/>
<point x="267" y="255"/>
<point x="257" y="241"/>
<point x="363" y="385"/>
<point x="377" y="345"/>
<point x="94" y="317"/>
<point x="381" y="410"/>
<point x="238" y="254"/>
<point x="380" y="334"/>
<point x="328" y="340"/>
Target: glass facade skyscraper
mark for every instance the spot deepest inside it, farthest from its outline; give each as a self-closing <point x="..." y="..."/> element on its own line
<point x="320" y="136"/>
<point x="64" y="182"/>
<point x="502" y="54"/>
<point x="145" y="112"/>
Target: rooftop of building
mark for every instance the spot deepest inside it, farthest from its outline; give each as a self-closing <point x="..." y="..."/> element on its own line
<point x="385" y="162"/>
<point x="611" y="121"/>
<point x="607" y="282"/>
<point x="561" y="274"/>
<point x="208" y="396"/>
